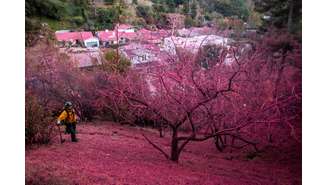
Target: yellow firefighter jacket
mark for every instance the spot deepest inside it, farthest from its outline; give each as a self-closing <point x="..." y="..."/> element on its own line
<point x="68" y="116"/>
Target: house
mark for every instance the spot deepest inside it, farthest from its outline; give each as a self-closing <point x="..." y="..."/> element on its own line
<point x="126" y="28"/>
<point x="108" y="38"/>
<point x="75" y="39"/>
<point x="91" y="42"/>
<point x="62" y="31"/>
<point x="125" y="37"/>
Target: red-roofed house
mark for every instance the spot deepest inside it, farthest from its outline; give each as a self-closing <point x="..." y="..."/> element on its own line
<point x="77" y="38"/>
<point x="108" y="38"/>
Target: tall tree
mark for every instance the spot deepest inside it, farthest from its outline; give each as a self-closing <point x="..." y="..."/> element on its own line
<point x="284" y="13"/>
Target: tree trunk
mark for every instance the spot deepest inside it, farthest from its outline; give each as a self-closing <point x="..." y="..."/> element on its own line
<point x="160" y="129"/>
<point x="113" y="116"/>
<point x="174" y="145"/>
<point x="217" y="143"/>
<point x="290" y="15"/>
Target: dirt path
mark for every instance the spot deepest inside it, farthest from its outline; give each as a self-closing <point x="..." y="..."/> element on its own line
<point x="112" y="154"/>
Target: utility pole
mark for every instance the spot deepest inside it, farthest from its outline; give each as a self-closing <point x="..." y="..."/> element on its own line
<point x="189" y="9"/>
<point x="290" y="15"/>
<point x="116" y="31"/>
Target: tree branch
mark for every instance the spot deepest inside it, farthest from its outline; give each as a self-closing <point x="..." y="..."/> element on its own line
<point x="157" y="147"/>
<point x="242" y="139"/>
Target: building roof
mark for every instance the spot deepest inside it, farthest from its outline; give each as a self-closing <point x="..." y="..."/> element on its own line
<point x="143" y="34"/>
<point x="93" y="39"/>
<point x="128" y="35"/>
<point x="111" y="35"/>
<point x="62" y="31"/>
<point x="147" y="35"/>
<point x="67" y="36"/>
<point x="106" y="35"/>
<point x="124" y="26"/>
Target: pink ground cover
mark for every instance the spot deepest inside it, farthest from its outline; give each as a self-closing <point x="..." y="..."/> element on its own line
<point x="108" y="153"/>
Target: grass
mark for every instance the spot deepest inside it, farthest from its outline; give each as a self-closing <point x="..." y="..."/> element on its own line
<point x="109" y="153"/>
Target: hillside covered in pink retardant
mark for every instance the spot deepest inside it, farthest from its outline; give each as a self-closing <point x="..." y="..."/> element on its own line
<point x="109" y="153"/>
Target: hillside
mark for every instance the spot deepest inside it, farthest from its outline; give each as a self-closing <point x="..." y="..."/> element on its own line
<point x="226" y="90"/>
<point x="111" y="154"/>
<point x="86" y="14"/>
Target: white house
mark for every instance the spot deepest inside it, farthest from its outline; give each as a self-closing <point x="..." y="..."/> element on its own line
<point x="125" y="28"/>
<point x="91" y="42"/>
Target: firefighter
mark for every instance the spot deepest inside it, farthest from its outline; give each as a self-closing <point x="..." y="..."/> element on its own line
<point x="69" y="119"/>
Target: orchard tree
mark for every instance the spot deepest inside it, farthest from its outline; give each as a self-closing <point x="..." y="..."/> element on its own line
<point x="246" y="96"/>
<point x="180" y="96"/>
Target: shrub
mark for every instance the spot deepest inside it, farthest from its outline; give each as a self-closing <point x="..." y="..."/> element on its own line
<point x="78" y="20"/>
<point x="189" y="22"/>
<point x="38" y="128"/>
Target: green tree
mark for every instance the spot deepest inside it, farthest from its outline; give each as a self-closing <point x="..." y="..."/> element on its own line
<point x="146" y="13"/>
<point x="170" y="5"/>
<point x="284" y="13"/>
<point x="109" y="2"/>
<point x="233" y="8"/>
<point x="185" y="8"/>
<point x="193" y="10"/>
<point x="54" y="9"/>
<point x="160" y="8"/>
<point x="106" y="18"/>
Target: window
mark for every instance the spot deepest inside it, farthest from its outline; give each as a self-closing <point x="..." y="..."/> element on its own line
<point x="92" y="44"/>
